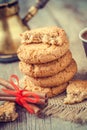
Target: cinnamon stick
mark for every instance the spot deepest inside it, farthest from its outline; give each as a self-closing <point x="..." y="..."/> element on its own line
<point x="6" y="84"/>
<point x="42" y="102"/>
<point x="41" y="95"/>
<point x="5" y="94"/>
<point x="35" y="108"/>
<point x="6" y="97"/>
<point x="41" y="114"/>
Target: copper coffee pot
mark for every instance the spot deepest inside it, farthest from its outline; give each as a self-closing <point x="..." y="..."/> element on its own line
<point x="11" y="25"/>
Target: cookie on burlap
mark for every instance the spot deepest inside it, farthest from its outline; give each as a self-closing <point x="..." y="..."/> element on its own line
<point x="8" y="112"/>
<point x="50" y="92"/>
<point x="47" y="69"/>
<point x="49" y="35"/>
<point x="57" y="79"/>
<point x="76" y="91"/>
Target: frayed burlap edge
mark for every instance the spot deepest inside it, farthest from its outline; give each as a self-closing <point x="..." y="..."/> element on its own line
<point x="75" y="113"/>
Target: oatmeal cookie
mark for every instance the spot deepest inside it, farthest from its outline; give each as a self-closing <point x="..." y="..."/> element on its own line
<point x="52" y="43"/>
<point x="8" y="112"/>
<point x="50" y="92"/>
<point x="49" y="35"/>
<point x="76" y="91"/>
<point x="47" y="69"/>
<point x="41" y="53"/>
<point x="57" y="79"/>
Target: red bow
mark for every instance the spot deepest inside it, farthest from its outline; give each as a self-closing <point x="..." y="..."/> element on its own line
<point x="22" y="96"/>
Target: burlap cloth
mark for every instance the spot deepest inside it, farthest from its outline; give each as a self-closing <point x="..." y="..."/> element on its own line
<point x="75" y="113"/>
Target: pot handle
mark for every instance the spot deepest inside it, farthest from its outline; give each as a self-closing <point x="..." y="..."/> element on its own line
<point x="34" y="9"/>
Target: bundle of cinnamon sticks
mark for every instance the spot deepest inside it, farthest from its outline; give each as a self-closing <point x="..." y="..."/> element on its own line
<point x="37" y="106"/>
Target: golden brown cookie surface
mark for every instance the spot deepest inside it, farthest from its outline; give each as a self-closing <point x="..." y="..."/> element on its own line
<point x="50" y="35"/>
<point x="50" y="92"/>
<point x="76" y="91"/>
<point x="57" y="79"/>
<point x="47" y="69"/>
<point x="8" y="112"/>
<point x="41" y="53"/>
<point x="52" y="43"/>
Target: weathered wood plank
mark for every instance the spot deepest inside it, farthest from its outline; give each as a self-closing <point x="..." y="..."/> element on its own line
<point x="67" y="14"/>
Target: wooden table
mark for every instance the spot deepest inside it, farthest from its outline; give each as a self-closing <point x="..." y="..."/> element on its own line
<point x="72" y="16"/>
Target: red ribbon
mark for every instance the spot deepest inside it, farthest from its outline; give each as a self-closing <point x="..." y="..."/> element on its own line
<point x="22" y="96"/>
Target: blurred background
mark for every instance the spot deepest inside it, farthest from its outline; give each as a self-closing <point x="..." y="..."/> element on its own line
<point x="71" y="15"/>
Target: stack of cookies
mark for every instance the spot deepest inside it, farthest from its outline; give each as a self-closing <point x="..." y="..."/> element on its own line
<point x="46" y="61"/>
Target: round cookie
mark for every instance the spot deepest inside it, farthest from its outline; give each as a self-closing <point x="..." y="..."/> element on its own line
<point x="57" y="79"/>
<point x="50" y="92"/>
<point x="41" y="53"/>
<point x="47" y="69"/>
<point x="49" y="35"/>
